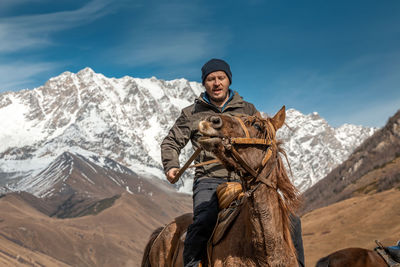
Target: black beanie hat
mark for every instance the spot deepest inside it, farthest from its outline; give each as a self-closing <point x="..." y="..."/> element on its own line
<point x="215" y="65"/>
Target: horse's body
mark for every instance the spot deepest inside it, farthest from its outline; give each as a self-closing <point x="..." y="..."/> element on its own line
<point x="260" y="235"/>
<point x="354" y="257"/>
<point x="165" y="246"/>
<point x="381" y="256"/>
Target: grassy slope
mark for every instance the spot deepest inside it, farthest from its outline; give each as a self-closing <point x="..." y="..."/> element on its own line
<point x="355" y="222"/>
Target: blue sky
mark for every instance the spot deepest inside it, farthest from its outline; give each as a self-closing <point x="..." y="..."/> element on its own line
<point x="339" y="58"/>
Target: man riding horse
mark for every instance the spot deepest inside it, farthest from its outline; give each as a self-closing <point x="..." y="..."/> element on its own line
<point x="217" y="99"/>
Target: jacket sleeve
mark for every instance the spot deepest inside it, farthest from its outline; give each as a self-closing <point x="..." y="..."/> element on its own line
<point x="253" y="110"/>
<point x="172" y="144"/>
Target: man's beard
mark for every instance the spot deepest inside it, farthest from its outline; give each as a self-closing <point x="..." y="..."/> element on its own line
<point x="219" y="99"/>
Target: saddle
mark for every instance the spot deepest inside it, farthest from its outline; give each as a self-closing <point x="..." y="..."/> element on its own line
<point x="228" y="192"/>
<point x="390" y="254"/>
<point x="230" y="197"/>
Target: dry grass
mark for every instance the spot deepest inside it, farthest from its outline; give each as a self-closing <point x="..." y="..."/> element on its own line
<point x="114" y="237"/>
<point x="355" y="222"/>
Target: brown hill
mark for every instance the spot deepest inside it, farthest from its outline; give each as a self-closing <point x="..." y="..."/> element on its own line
<point x="12" y="254"/>
<point x="72" y="186"/>
<point x="354" y="222"/>
<point x="372" y="167"/>
<point x="114" y="237"/>
<point x="117" y="235"/>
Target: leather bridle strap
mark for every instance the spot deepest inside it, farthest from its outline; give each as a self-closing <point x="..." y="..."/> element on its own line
<point x="242" y="163"/>
<point x="244" y="128"/>
<point x="255" y="174"/>
<point x="249" y="141"/>
<point x="266" y="157"/>
<point x="240" y="141"/>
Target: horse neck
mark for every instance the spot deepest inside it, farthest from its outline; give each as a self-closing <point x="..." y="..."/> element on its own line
<point x="270" y="226"/>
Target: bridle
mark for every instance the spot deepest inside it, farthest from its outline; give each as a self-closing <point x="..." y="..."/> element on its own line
<point x="230" y="144"/>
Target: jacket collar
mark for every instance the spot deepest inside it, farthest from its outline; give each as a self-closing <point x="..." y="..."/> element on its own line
<point x="235" y="100"/>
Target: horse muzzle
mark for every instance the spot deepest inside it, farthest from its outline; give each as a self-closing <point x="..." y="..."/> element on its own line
<point x="211" y="137"/>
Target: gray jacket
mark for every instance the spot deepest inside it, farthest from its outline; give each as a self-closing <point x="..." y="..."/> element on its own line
<point x="186" y="128"/>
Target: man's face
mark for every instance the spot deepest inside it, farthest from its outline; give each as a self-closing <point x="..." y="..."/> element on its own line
<point x="217" y="86"/>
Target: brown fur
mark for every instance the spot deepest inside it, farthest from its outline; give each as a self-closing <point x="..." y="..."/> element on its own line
<point x="355" y="257"/>
<point x="165" y="247"/>
<point x="260" y="235"/>
<point x="145" y="259"/>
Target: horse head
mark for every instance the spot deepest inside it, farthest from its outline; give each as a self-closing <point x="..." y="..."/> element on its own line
<point x="244" y="144"/>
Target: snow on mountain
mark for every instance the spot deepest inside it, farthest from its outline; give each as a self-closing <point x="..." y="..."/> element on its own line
<point x="314" y="148"/>
<point x="62" y="168"/>
<point x="123" y="119"/>
<point x="126" y="119"/>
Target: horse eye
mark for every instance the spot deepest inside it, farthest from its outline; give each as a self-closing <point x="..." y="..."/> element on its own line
<point x="258" y="127"/>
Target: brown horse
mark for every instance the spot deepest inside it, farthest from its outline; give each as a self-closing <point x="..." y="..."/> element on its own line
<point x="381" y="256"/>
<point x="260" y="234"/>
<point x="355" y="257"/>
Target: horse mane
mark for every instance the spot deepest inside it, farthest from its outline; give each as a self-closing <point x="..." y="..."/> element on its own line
<point x="289" y="192"/>
<point x="288" y="195"/>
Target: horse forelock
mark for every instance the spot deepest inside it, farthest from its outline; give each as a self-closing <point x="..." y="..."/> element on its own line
<point x="268" y="131"/>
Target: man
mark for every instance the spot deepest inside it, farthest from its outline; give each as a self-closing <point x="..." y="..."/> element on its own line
<point x="217" y="99"/>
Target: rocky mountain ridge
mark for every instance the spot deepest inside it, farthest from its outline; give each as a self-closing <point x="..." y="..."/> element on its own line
<point x="126" y="119"/>
<point x="373" y="167"/>
<point x="314" y="147"/>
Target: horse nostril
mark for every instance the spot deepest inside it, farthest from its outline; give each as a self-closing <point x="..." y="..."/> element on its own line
<point x="216" y="122"/>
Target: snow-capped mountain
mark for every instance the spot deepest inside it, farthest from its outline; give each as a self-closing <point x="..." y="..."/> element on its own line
<point x="123" y="119"/>
<point x="126" y="119"/>
<point x="314" y="148"/>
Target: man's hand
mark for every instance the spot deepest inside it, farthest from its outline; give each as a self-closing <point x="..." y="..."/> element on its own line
<point x="171" y="175"/>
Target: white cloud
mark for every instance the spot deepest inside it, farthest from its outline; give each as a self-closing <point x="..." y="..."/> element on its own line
<point x="375" y="114"/>
<point x="19" y="75"/>
<point x="175" y="48"/>
<point x="6" y="4"/>
<point x="32" y="31"/>
<point x="172" y="35"/>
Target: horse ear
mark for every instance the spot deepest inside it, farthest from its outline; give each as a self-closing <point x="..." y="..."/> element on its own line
<point x="279" y="118"/>
<point x="258" y="115"/>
